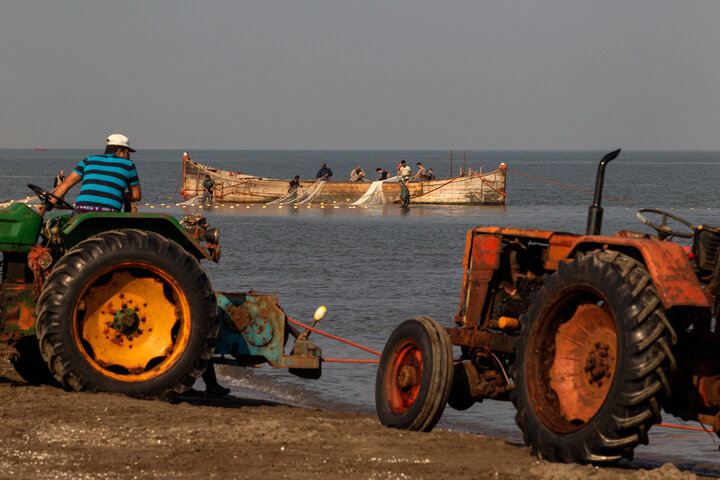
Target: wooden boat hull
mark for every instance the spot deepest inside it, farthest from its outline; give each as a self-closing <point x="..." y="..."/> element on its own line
<point x="231" y="187"/>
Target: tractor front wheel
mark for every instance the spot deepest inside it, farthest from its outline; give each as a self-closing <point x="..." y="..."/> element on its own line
<point x="130" y="312"/>
<point x="592" y="360"/>
<point x="415" y="375"/>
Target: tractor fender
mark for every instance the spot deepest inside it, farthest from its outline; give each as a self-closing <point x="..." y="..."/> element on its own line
<point x="667" y="262"/>
<point x="88" y="224"/>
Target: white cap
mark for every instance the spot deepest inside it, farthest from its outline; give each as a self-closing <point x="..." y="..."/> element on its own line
<point x="119" y="140"/>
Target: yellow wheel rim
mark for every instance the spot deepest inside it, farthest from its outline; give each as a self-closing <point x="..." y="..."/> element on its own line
<point x="132" y="322"/>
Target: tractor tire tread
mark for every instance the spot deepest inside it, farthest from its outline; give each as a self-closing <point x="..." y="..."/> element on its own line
<point x="56" y="290"/>
<point x="631" y="410"/>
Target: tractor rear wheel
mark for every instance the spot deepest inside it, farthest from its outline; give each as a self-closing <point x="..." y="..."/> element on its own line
<point x="592" y="360"/>
<point x="415" y="375"/>
<point x="130" y="312"/>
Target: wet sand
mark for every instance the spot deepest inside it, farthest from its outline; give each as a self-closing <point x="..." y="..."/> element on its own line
<point x="49" y="433"/>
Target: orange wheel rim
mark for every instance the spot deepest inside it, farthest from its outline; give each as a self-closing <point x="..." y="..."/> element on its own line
<point x="404" y="377"/>
<point x="132" y="322"/>
<point x="571" y="363"/>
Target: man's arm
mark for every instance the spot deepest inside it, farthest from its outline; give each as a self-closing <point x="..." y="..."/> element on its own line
<point x="133" y="194"/>
<point x="66" y="185"/>
<point x="62" y="189"/>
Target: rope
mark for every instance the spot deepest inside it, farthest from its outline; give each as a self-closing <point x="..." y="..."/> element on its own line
<point x="437" y="188"/>
<point x="241" y="183"/>
<point x="182" y="175"/>
<point x="249" y="193"/>
<point x="333" y="337"/>
<point x="569" y="186"/>
<point x="686" y="427"/>
<point x="349" y="360"/>
<point x="489" y="184"/>
<point x="352" y="360"/>
<point x="197" y="182"/>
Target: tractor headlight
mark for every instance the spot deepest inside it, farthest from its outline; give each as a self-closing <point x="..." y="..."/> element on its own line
<point x="212" y="235"/>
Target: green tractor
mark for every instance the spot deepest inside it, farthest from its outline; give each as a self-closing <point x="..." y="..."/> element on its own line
<point x="118" y="302"/>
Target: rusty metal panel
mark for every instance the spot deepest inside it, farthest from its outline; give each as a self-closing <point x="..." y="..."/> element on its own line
<point x="253" y="325"/>
<point x="484" y="260"/>
<point x="516" y="232"/>
<point x="19" y="307"/>
<point x="673" y="275"/>
<point x="560" y="246"/>
<point x="668" y="265"/>
<point x="482" y="339"/>
<point x="466" y="271"/>
<point x="486" y="252"/>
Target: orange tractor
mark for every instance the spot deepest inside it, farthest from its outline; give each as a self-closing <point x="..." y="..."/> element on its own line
<point x="589" y="336"/>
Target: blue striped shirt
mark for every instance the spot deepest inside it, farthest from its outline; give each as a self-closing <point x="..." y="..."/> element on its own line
<point x="104" y="180"/>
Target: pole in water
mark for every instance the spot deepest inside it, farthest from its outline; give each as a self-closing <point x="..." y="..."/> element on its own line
<point x="451" y="172"/>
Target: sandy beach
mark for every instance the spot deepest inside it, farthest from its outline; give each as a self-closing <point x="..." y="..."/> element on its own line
<point x="49" y="433"/>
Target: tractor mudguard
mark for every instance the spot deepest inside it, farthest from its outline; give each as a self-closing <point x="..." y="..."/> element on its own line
<point x="88" y="224"/>
<point x="19" y="228"/>
<point x="667" y="262"/>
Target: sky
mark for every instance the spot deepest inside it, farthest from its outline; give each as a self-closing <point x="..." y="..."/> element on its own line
<point x="363" y="74"/>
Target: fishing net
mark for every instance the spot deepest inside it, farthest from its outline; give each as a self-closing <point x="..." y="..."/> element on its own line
<point x="301" y="196"/>
<point x="311" y="193"/>
<point x="192" y="202"/>
<point x="286" y="199"/>
<point x="374" y="194"/>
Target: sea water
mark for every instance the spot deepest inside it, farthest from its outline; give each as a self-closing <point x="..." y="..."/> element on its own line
<point x="377" y="266"/>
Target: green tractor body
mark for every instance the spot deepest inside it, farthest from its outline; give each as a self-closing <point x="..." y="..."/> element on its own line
<point x="118" y="302"/>
<point x="19" y="228"/>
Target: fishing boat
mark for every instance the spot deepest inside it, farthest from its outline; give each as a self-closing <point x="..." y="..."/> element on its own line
<point x="41" y="149"/>
<point x="469" y="188"/>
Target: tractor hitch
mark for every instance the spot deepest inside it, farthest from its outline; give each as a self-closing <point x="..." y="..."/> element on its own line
<point x="254" y="329"/>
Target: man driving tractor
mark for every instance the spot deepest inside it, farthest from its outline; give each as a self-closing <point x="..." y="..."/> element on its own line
<point x="108" y="180"/>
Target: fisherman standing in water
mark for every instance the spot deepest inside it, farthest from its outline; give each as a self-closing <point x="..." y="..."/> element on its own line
<point x="208" y="186"/>
<point x="294" y="184"/>
<point x="404" y="194"/>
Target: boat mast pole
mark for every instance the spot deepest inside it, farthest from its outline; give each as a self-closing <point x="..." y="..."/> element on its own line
<point x="451" y="172"/>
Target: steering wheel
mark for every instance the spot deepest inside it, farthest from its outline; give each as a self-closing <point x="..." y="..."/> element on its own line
<point x="49" y="200"/>
<point x="663" y="230"/>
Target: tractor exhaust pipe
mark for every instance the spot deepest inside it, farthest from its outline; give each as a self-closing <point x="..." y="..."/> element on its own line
<point x="595" y="213"/>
